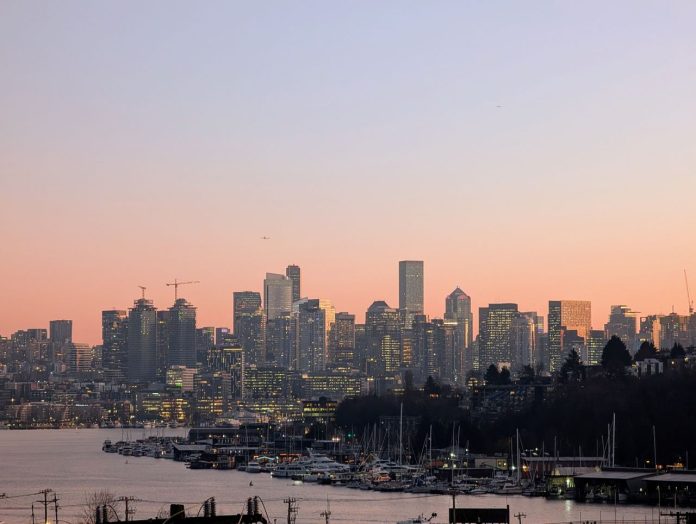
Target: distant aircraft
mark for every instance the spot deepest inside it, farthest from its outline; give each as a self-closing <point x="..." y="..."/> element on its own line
<point x="265" y="238"/>
<point x="499" y="107"/>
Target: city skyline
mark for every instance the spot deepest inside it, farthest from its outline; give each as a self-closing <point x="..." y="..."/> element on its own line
<point x="523" y="162"/>
<point x="598" y="316"/>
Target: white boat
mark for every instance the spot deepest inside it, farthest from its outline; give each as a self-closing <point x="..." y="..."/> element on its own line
<point x="253" y="467"/>
<point x="288" y="470"/>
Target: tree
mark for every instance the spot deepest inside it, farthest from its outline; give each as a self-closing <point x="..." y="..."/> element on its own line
<point x="504" y="377"/>
<point x="646" y="350"/>
<point x="572" y="369"/>
<point x="492" y="375"/>
<point x="408" y="381"/>
<point x="677" y="351"/>
<point x="527" y="376"/>
<point x="615" y="357"/>
<point x="95" y="500"/>
<point x="431" y="387"/>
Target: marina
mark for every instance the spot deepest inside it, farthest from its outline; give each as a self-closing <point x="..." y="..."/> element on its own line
<point x="72" y="463"/>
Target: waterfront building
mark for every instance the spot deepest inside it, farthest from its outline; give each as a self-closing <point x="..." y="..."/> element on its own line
<point x="495" y="334"/>
<point x="294" y="274"/>
<point x="115" y="344"/>
<point x="142" y="341"/>
<point x="575" y="315"/>
<point x="411" y="289"/>
<point x="181" y="329"/>
<point x="277" y="295"/>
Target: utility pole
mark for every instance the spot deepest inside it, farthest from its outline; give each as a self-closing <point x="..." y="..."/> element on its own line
<point x="45" y="493"/>
<point x="520" y="516"/>
<point x="55" y="507"/>
<point x="454" y="505"/>
<point x="292" y="509"/>
<point x="326" y="513"/>
<point x="126" y="501"/>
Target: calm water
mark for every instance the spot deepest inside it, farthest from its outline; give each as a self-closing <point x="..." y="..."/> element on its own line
<point x="71" y="463"/>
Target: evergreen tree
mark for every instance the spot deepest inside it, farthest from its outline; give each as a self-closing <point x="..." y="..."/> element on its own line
<point x="677" y="351"/>
<point x="492" y="375"/>
<point x="572" y="369"/>
<point x="615" y="357"/>
<point x="646" y="350"/>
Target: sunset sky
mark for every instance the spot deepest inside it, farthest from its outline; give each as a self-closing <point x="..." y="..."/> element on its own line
<point x="525" y="151"/>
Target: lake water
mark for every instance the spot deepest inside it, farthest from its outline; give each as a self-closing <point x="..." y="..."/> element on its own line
<point x="71" y="463"/>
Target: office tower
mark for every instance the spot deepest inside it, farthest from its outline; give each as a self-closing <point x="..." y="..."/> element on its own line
<point x="229" y="359"/>
<point x="650" y="330"/>
<point x="277" y="295"/>
<point x="362" y="347"/>
<point x="595" y="343"/>
<point x="293" y="273"/>
<point x="251" y="335"/>
<point x="382" y="331"/>
<point x="342" y="347"/>
<point x="142" y="341"/>
<point x="410" y="289"/>
<point x="445" y="365"/>
<point x="312" y="336"/>
<point x="205" y="339"/>
<point x="280" y="343"/>
<point x="181" y="329"/>
<point x="495" y="332"/>
<point x="571" y="315"/>
<point x="115" y="344"/>
<point x="622" y="323"/>
<point x="674" y="330"/>
<point x="80" y="357"/>
<point x="458" y="311"/>
<point x="162" y="345"/>
<point x="223" y="335"/>
<point x="244" y="303"/>
<point x="524" y="341"/>
<point x="60" y="331"/>
<point x="422" y="338"/>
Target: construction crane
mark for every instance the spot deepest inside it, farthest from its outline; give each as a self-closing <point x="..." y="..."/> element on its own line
<point x="143" y="288"/>
<point x="176" y="285"/>
<point x="688" y="294"/>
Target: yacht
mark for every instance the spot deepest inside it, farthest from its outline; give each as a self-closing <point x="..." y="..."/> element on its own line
<point x="288" y="470"/>
<point x="253" y="467"/>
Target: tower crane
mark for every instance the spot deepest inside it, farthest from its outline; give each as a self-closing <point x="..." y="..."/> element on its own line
<point x="176" y="285"/>
<point x="688" y="294"/>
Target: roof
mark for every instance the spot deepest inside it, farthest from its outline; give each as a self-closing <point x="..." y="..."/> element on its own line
<point x="673" y="478"/>
<point x="614" y="475"/>
<point x="190" y="447"/>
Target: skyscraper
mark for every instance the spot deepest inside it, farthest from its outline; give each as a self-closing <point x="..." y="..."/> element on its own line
<point x="410" y="289"/>
<point x="383" y="338"/>
<point x="569" y="315"/>
<point x="293" y="273"/>
<point x="342" y="347"/>
<point x="250" y="326"/>
<point x="181" y="329"/>
<point x="458" y="312"/>
<point x="277" y="295"/>
<point x="623" y="324"/>
<point x="312" y="336"/>
<point x="244" y="303"/>
<point x="495" y="333"/>
<point x="115" y="344"/>
<point x="142" y="341"/>
<point x="524" y="341"/>
<point x="60" y="331"/>
<point x="162" y="345"/>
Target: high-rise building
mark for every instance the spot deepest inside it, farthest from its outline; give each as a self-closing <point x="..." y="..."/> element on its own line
<point x="223" y="335"/>
<point x="244" y="303"/>
<point x="293" y="273"/>
<point x="650" y="330"/>
<point x="383" y="335"/>
<point x="251" y="335"/>
<point x="524" y="340"/>
<point x="458" y="311"/>
<point x="495" y="334"/>
<point x="595" y="347"/>
<point x="60" y="331"/>
<point x="571" y="315"/>
<point x="312" y="336"/>
<point x="80" y="357"/>
<point x="446" y="365"/>
<point x="342" y="347"/>
<point x="229" y="359"/>
<point x="205" y="340"/>
<point x="181" y="329"/>
<point x="115" y="344"/>
<point x="162" y="355"/>
<point x="623" y="324"/>
<point x="411" y="289"/>
<point x="277" y="295"/>
<point x="674" y="330"/>
<point x="142" y="341"/>
<point x="280" y="342"/>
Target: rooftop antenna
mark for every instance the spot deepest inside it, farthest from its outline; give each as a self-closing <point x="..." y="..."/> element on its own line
<point x="688" y="294"/>
<point x="143" y="288"/>
<point x="176" y="285"/>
